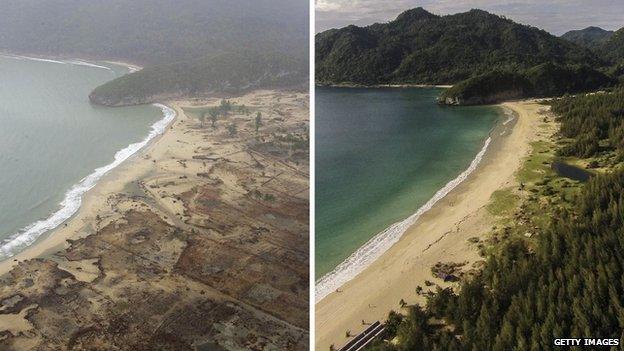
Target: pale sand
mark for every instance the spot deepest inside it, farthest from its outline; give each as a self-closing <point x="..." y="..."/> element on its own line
<point x="440" y="235"/>
<point x="132" y="66"/>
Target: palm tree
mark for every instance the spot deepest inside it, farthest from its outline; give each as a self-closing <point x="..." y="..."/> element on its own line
<point x="244" y="110"/>
<point x="214" y="115"/>
<point x="258" y="121"/>
<point x="232" y="129"/>
<point x="226" y="106"/>
<point x="202" y="118"/>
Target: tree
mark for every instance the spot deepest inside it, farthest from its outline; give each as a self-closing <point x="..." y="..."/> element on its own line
<point x="232" y="130"/>
<point x="244" y="110"/>
<point x="226" y="107"/>
<point x="214" y="113"/>
<point x="258" y="121"/>
<point x="202" y="118"/>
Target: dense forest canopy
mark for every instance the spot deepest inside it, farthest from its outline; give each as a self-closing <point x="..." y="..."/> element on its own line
<point x="608" y="45"/>
<point x="420" y="47"/>
<point x="590" y="37"/>
<point x="545" y="80"/>
<point x="613" y="49"/>
<point x="488" y="58"/>
<point x="594" y="123"/>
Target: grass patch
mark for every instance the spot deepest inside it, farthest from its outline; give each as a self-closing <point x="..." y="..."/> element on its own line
<point x="537" y="166"/>
<point x="503" y="202"/>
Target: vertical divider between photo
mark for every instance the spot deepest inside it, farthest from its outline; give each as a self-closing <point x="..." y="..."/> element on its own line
<point x="312" y="175"/>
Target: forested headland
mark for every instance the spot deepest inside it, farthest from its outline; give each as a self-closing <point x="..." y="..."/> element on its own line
<point x="545" y="80"/>
<point x="232" y="72"/>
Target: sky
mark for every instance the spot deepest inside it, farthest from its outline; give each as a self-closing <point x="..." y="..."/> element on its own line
<point x="554" y="16"/>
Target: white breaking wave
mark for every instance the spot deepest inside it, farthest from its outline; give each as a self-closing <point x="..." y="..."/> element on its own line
<point x="73" y="198"/>
<point x="88" y="64"/>
<point x="38" y="59"/>
<point x="67" y="62"/>
<point x="510" y="115"/>
<point x="380" y="243"/>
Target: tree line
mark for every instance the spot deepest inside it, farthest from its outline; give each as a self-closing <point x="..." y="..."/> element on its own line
<point x="594" y="122"/>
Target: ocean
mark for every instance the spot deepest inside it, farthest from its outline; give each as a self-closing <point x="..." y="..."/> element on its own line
<point x="383" y="157"/>
<point x="55" y="145"/>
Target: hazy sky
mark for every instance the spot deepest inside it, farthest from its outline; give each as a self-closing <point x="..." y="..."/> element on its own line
<point x="555" y="16"/>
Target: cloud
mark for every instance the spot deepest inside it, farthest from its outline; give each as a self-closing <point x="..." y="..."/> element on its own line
<point x="555" y="16"/>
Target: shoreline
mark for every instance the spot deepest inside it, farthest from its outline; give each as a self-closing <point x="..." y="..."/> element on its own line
<point x="381" y="242"/>
<point x="32" y="234"/>
<point x="131" y="66"/>
<point x="74" y="198"/>
<point x="377" y="86"/>
<point x="439" y="235"/>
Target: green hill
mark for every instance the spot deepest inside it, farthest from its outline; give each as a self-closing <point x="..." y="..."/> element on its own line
<point x="229" y="72"/>
<point x="422" y="48"/>
<point x="590" y="37"/>
<point x="608" y="45"/>
<point x="613" y="48"/>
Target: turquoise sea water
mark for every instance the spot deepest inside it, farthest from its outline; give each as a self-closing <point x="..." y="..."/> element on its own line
<point x="51" y="137"/>
<point x="381" y="154"/>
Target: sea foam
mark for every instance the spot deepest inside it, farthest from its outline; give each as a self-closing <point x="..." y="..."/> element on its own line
<point x="73" y="198"/>
<point x="89" y="64"/>
<point x="510" y="115"/>
<point x="66" y="62"/>
<point x="39" y="59"/>
<point x="381" y="242"/>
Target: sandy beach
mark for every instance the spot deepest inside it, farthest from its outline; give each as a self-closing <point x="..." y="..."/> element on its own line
<point x="201" y="224"/>
<point x="440" y="235"/>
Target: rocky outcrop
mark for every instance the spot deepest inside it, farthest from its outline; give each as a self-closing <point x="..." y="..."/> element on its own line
<point x="481" y="100"/>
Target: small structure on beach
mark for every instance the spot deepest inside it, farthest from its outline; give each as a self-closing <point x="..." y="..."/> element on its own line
<point x="365" y="338"/>
<point x="447" y="277"/>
